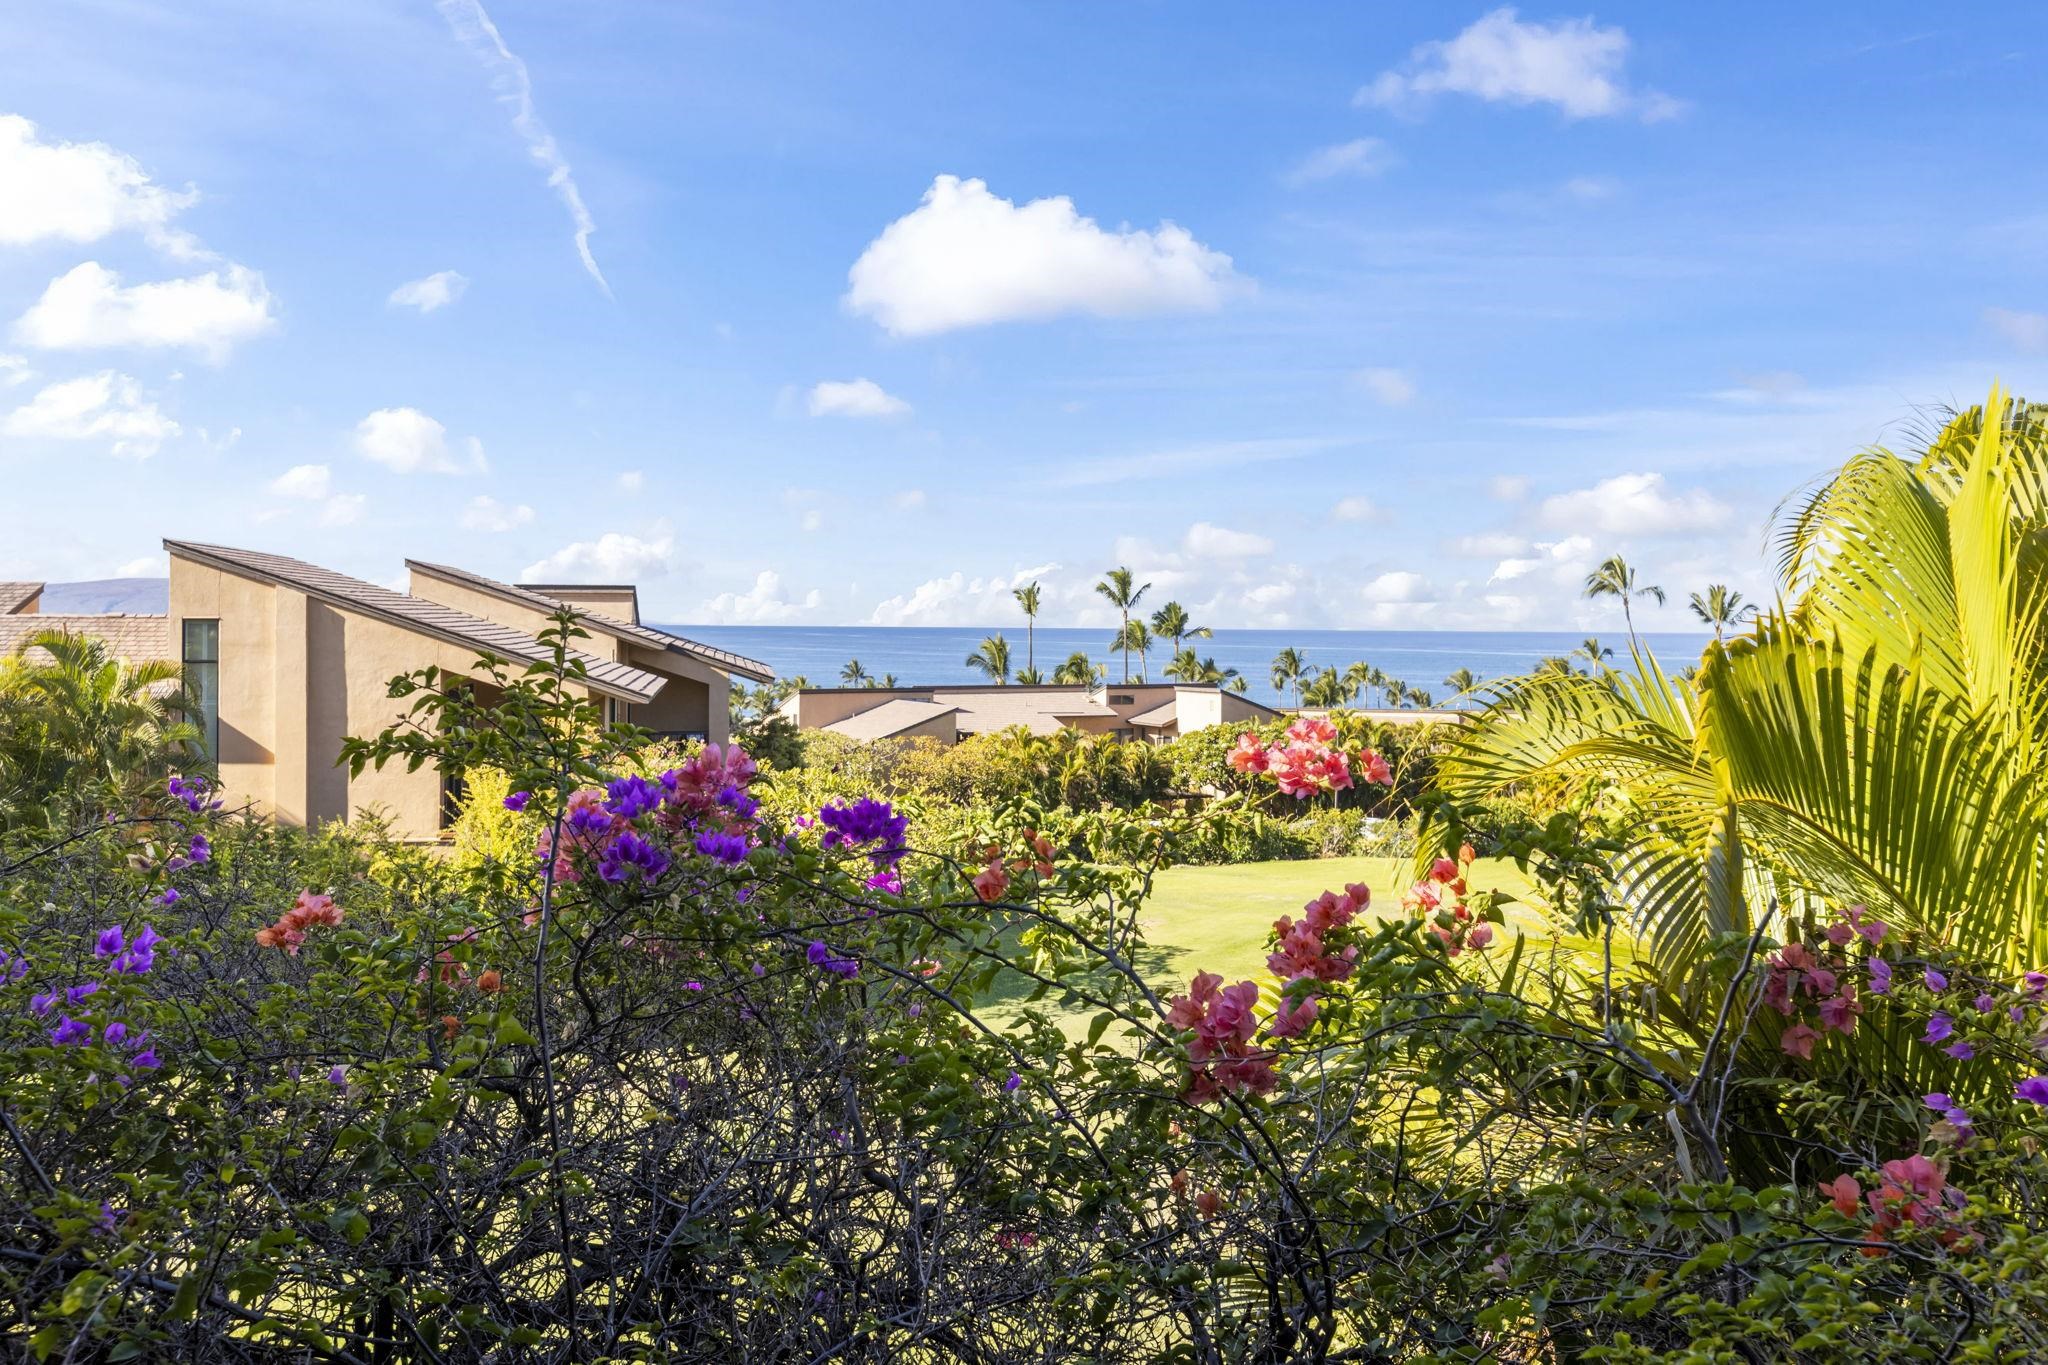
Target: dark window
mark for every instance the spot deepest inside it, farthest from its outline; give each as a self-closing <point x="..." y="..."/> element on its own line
<point x="201" y="658"/>
<point x="1121" y="699"/>
<point x="454" y="791"/>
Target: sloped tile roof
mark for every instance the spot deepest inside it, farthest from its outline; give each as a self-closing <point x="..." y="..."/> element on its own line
<point x="1157" y="716"/>
<point x="611" y="625"/>
<point x="15" y="596"/>
<point x="890" y="718"/>
<point x="416" y="613"/>
<point x="133" y="639"/>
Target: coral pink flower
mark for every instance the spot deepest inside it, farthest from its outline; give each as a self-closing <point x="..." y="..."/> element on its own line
<point x="991" y="882"/>
<point x="1249" y="756"/>
<point x="1839" y="1012"/>
<point x="1845" y="1194"/>
<point x="1374" y="769"/>
<point x="1798" y="1041"/>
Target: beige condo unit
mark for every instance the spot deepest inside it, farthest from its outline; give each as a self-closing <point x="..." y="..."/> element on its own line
<point x="288" y="659"/>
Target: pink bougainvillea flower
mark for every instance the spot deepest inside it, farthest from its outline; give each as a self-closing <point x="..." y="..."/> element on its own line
<point x="1798" y="1041"/>
<point x="1479" y="936"/>
<point x="1312" y="730"/>
<point x="1292" y="1020"/>
<point x="1845" y="1193"/>
<point x="1838" y="1012"/>
<point x="1374" y="769"/>
<point x="991" y="882"/>
<point x="1249" y="756"/>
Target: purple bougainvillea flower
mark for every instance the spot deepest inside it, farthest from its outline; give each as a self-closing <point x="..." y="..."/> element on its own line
<point x="70" y="1032"/>
<point x="110" y="942"/>
<point x="867" y="823"/>
<point x="1960" y="1050"/>
<point x="1012" y="1083"/>
<point x="200" y="849"/>
<point x="629" y="853"/>
<point x="1880" y="976"/>
<point x="76" y="995"/>
<point x="2034" y="1090"/>
<point x="39" y="1005"/>
<point x="145" y="1060"/>
<point x="169" y="897"/>
<point x="518" y="800"/>
<point x="1935" y="980"/>
<point x="114" y="1033"/>
<point x="821" y="957"/>
<point x="721" y="847"/>
<point x="337" y="1075"/>
<point x="1939" y="1028"/>
<point x="629" y="798"/>
<point x="141" y="954"/>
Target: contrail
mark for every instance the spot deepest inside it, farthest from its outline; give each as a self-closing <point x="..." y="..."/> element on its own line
<point x="509" y="78"/>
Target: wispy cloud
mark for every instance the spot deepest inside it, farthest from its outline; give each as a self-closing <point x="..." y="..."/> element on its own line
<point x="515" y="87"/>
<point x="1189" y="459"/>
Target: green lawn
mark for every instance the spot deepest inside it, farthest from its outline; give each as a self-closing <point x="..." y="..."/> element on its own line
<point x="1216" y="918"/>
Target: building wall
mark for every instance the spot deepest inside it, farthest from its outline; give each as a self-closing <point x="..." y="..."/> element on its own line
<point x="490" y="606"/>
<point x="297" y="676"/>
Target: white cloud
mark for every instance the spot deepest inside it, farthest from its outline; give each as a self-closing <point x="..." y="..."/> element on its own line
<point x="98" y="407"/>
<point x="1562" y="563"/>
<point x="765" y="602"/>
<point x="147" y="566"/>
<point x="410" y="442"/>
<point x="90" y="307"/>
<point x="437" y="290"/>
<point x="958" y="600"/>
<point x="909" y="500"/>
<point x="14" y="370"/>
<point x="854" y="398"/>
<point x="1490" y="545"/>
<point x="1355" y="509"/>
<point x="1398" y="586"/>
<point x="515" y="88"/>
<point x="343" y="509"/>
<point x="965" y="258"/>
<point x="2028" y="331"/>
<point x="1391" y="387"/>
<point x="81" y="192"/>
<point x="310" y="482"/>
<point x="612" y="558"/>
<point x="1634" y="505"/>
<point x="1508" y="487"/>
<point x="486" y="513"/>
<point x="632" y="481"/>
<point x="812" y="519"/>
<point x="1206" y="541"/>
<point x="1364" y="156"/>
<point x="1572" y="64"/>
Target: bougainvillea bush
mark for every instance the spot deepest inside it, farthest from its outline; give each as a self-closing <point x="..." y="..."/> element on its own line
<point x="652" y="1073"/>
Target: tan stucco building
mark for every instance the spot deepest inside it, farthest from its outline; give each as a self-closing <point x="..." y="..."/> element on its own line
<point x="288" y="659"/>
<point x="1154" y="711"/>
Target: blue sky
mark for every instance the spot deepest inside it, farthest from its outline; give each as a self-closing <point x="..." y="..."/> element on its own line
<point x="1316" y="315"/>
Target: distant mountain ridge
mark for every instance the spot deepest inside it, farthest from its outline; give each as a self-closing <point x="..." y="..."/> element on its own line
<point x="97" y="596"/>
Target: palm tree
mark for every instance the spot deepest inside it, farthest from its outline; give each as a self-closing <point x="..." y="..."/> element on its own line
<point x="1027" y="598"/>
<point x="1461" y="681"/>
<point x="1421" y="698"/>
<point x="1078" y="671"/>
<point x="1290" y="671"/>
<point x="853" y="675"/>
<point x="1878" y="741"/>
<point x="1029" y="677"/>
<point x="1552" y="665"/>
<point x="1615" y="578"/>
<point x="83" y="734"/>
<point x="992" y="659"/>
<point x="1358" y="677"/>
<point x="1117" y="586"/>
<point x="1171" y="622"/>
<point x="1136" y="636"/>
<point x="1593" y="652"/>
<point x="1721" y="607"/>
<point x="1187" y="667"/>
<point x="886" y="680"/>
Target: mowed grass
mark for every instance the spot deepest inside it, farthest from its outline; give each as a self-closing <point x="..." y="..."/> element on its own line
<point x="1215" y="919"/>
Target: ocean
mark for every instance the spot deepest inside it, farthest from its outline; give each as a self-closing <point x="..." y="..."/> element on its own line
<point x="937" y="654"/>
